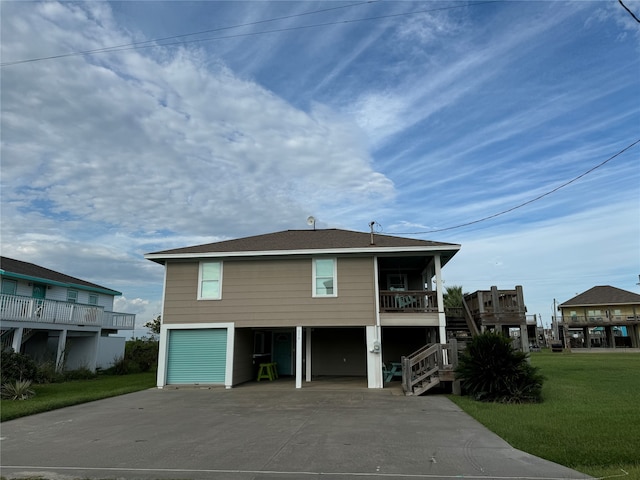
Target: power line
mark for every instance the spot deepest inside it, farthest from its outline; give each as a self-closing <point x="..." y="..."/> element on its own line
<point x="539" y="197"/>
<point x="150" y="43"/>
<point x="630" y="12"/>
<point x="141" y="44"/>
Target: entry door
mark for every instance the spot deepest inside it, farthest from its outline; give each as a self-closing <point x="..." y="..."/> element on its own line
<point x="39" y="290"/>
<point x="283" y="352"/>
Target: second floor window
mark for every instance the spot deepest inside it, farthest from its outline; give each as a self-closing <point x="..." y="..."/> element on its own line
<point x="9" y="287"/>
<point x="324" y="277"/>
<point x="210" y="281"/>
<point x="72" y="296"/>
<point x="93" y="299"/>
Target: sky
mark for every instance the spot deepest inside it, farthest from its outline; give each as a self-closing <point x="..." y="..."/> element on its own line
<point x="507" y="127"/>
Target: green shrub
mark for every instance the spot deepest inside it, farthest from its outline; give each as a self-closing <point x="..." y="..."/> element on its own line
<point x="16" y="366"/>
<point x="491" y="370"/>
<point x="142" y="353"/>
<point x="120" y="366"/>
<point x="82" y="373"/>
<point x="17" y="390"/>
<point x="47" y="373"/>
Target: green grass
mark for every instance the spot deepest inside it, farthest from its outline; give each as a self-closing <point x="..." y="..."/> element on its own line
<point x="57" y="395"/>
<point x="588" y="420"/>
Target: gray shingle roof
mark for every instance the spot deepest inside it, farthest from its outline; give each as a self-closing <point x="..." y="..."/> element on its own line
<point x="603" y="295"/>
<point x="291" y="240"/>
<point x="10" y="265"/>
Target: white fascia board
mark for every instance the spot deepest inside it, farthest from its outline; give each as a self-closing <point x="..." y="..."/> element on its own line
<point x="287" y="253"/>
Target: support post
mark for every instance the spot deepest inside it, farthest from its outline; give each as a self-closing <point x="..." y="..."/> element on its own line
<point x="299" y="357"/>
<point x="442" y="319"/>
<point x="60" y="355"/>
<point x="308" y="355"/>
<point x="16" y="344"/>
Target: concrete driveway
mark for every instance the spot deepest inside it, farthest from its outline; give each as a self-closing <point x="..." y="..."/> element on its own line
<point x="264" y="431"/>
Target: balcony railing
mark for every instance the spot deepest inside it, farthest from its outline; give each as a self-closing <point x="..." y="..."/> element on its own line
<point x="28" y="309"/>
<point x="410" y="301"/>
<point x="595" y="320"/>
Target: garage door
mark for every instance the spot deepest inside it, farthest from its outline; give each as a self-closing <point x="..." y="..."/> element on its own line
<point x="197" y="356"/>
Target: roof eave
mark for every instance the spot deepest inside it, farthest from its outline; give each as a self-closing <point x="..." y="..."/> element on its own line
<point x="597" y="304"/>
<point x="46" y="281"/>
<point x="161" y="258"/>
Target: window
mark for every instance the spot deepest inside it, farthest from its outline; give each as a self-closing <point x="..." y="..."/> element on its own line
<point x="72" y="296"/>
<point x="397" y="281"/>
<point x="210" y="281"/>
<point x="594" y="314"/>
<point x="9" y="287"/>
<point x="93" y="299"/>
<point x="324" y="277"/>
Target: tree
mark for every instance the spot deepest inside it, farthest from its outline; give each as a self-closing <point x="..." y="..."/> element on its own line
<point x="154" y="325"/>
<point x="453" y="297"/>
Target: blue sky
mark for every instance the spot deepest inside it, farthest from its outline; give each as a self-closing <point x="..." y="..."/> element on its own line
<point x="421" y="116"/>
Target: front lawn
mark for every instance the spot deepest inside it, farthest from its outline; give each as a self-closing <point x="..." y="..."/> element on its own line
<point x="588" y="420"/>
<point x="57" y="395"/>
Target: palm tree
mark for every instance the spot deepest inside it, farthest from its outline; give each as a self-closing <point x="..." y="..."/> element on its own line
<point x="453" y="297"/>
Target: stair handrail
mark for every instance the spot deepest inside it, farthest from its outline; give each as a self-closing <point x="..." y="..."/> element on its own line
<point x="473" y="327"/>
<point x="409" y="380"/>
<point x="432" y="360"/>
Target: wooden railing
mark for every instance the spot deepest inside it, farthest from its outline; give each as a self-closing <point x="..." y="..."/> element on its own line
<point x="428" y="366"/>
<point x="28" y="309"/>
<point x="412" y="301"/>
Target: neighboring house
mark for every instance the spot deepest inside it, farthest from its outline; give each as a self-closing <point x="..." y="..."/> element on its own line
<point x="315" y="302"/>
<point x="51" y="316"/>
<point x="602" y="316"/>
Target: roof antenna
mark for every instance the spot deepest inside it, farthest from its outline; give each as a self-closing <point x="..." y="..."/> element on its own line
<point x="311" y="221"/>
<point x="371" y="224"/>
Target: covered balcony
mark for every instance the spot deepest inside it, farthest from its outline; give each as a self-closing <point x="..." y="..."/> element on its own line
<point x="17" y="308"/>
<point x="407" y="293"/>
<point x="576" y="321"/>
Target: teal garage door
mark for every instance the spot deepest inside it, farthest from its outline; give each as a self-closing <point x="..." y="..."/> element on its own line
<point x="197" y="356"/>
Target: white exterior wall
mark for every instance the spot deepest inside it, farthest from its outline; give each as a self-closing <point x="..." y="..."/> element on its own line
<point x="82" y="352"/>
<point x="110" y="349"/>
<point x="60" y="293"/>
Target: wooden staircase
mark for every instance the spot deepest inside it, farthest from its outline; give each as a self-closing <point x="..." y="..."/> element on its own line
<point x="427" y="367"/>
<point x="460" y="322"/>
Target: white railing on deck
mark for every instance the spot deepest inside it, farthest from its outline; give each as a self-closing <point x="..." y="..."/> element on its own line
<point x="28" y="309"/>
<point x="121" y="321"/>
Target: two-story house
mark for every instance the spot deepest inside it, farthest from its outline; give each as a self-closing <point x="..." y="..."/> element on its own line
<point x="603" y="316"/>
<point x="52" y="316"/>
<point x="314" y="302"/>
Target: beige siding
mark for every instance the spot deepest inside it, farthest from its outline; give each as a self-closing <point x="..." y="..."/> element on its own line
<point x="266" y="293"/>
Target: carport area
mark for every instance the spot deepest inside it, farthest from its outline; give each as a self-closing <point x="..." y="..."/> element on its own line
<point x="263" y="432"/>
<point x="327" y="353"/>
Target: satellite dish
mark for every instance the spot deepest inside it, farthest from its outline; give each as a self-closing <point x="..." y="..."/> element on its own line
<point x="311" y="222"/>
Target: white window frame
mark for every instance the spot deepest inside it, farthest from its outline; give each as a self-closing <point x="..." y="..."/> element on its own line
<point x="200" y="280"/>
<point x="91" y="297"/>
<point x="72" y="298"/>
<point x="314" y="293"/>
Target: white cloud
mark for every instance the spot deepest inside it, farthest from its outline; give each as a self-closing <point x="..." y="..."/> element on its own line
<point x="553" y="259"/>
<point x="417" y="122"/>
<point x="181" y="144"/>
